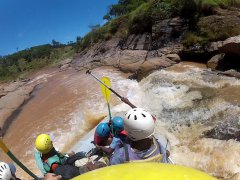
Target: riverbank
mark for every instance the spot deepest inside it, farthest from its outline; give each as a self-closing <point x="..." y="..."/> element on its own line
<point x="14" y="95"/>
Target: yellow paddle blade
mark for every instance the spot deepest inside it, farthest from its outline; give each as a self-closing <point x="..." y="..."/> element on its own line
<point x="105" y="91"/>
<point x="3" y="146"/>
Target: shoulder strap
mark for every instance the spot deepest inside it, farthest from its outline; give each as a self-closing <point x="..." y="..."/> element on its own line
<point x="126" y="152"/>
<point x="159" y="146"/>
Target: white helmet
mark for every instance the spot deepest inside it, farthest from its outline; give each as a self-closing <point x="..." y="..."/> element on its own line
<point x="139" y="124"/>
<point x="5" y="172"/>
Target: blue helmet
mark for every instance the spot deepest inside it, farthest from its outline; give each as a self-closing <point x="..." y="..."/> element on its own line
<point x="103" y="130"/>
<point x="117" y="123"/>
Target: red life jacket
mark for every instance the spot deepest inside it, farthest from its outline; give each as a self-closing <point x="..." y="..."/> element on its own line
<point x="101" y="141"/>
<point x="45" y="159"/>
<point x="124" y="133"/>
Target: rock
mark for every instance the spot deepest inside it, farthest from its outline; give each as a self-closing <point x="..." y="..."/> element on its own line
<point x="173" y="57"/>
<point x="99" y="52"/>
<point x="152" y="64"/>
<point x="214" y="47"/>
<point x="224" y="131"/>
<point x="65" y="66"/>
<point x="232" y="73"/>
<point x="11" y="101"/>
<point x="138" y="42"/>
<point x="132" y="56"/>
<point x="168" y="30"/>
<point x="111" y="61"/>
<point x="231" y="46"/>
<point x="92" y="64"/>
<point x="66" y="61"/>
<point x="171" y="49"/>
<point x="214" y="62"/>
<point x="131" y="68"/>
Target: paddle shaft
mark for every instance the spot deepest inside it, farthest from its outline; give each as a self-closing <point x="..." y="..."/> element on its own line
<point x="109" y="111"/>
<point x="11" y="155"/>
<point x="123" y="99"/>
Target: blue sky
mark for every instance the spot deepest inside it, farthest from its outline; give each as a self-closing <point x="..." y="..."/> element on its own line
<point x="27" y="23"/>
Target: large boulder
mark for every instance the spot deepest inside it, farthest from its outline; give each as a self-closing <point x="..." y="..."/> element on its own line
<point x="213" y="47"/>
<point x="152" y="64"/>
<point x="214" y="62"/>
<point x="132" y="56"/>
<point x="174" y="57"/>
<point x="231" y="46"/>
<point x="110" y="61"/>
<point x="131" y="68"/>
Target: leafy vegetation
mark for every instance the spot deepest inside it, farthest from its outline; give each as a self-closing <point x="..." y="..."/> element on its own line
<point x="22" y="62"/>
<point x="137" y="16"/>
<point x="124" y="18"/>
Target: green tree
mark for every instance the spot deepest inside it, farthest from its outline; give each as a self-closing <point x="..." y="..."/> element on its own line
<point x="55" y="43"/>
<point x="107" y="17"/>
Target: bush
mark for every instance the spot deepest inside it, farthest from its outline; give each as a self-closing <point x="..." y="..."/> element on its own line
<point x="140" y="19"/>
<point x="192" y="38"/>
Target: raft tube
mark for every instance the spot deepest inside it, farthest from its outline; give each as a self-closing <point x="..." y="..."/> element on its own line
<point x="142" y="171"/>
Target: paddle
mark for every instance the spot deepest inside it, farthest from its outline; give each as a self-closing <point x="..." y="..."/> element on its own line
<point x="9" y="153"/>
<point x="106" y="93"/>
<point x="123" y="99"/>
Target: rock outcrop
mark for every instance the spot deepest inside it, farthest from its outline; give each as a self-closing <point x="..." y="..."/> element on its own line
<point x="231" y="46"/>
<point x="142" y="53"/>
<point x="64" y="64"/>
<point x="168" y="31"/>
<point x="15" y="95"/>
<point x="229" y="57"/>
<point x="137" y="54"/>
<point x="214" y="62"/>
<point x="225" y="131"/>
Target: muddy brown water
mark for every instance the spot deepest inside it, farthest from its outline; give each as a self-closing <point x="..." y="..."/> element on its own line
<point x="62" y="102"/>
<point x="187" y="99"/>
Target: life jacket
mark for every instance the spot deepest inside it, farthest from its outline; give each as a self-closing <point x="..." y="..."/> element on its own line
<point x="55" y="159"/>
<point x="154" y="156"/>
<point x="45" y="166"/>
<point x="124" y="133"/>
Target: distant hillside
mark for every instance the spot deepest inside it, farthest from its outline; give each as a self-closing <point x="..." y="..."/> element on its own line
<point x="25" y="61"/>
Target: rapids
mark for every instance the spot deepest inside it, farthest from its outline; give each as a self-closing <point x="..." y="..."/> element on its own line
<point x="187" y="98"/>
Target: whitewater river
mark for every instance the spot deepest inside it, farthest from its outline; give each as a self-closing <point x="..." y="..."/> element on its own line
<point x="187" y="99"/>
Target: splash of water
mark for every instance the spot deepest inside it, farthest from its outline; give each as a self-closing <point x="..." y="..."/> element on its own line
<point x="186" y="104"/>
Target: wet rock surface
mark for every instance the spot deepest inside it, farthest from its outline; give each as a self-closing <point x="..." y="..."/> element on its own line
<point x="225" y="131"/>
<point x="15" y="94"/>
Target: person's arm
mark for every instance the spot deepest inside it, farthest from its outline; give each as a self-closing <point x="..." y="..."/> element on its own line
<point x="118" y="157"/>
<point x="51" y="176"/>
<point x="106" y="150"/>
<point x="109" y="150"/>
